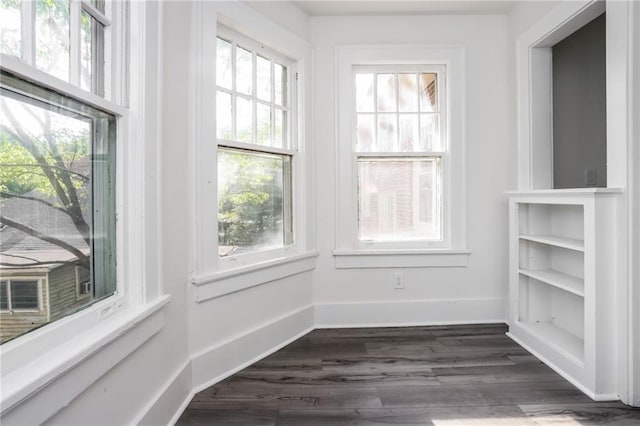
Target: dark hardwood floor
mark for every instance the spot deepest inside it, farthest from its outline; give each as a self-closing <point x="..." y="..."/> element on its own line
<point x="442" y="375"/>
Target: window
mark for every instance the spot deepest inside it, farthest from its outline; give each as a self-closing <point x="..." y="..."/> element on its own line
<point x="57" y="159"/>
<point x="64" y="38"/>
<point x="399" y="151"/>
<point x="20" y="294"/>
<point x="401" y="198"/>
<point x="255" y="148"/>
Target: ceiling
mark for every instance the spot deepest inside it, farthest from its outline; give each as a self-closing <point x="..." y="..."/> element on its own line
<point x="424" y="7"/>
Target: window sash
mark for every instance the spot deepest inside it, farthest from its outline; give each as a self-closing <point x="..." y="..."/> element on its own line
<point x="441" y="155"/>
<point x="29" y="41"/>
<point x="102" y="221"/>
<point x="289" y="148"/>
<point x="237" y="40"/>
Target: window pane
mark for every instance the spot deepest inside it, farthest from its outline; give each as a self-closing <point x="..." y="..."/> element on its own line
<point x="407" y="93"/>
<point x="430" y="132"/>
<point x="428" y="95"/>
<point x="365" y="133"/>
<point x="223" y="116"/>
<point x="223" y="64"/>
<point x="52" y="37"/>
<point x="244" y="71"/>
<point x="398" y="199"/>
<point x="263" y="78"/>
<point x="24" y="295"/>
<point x="280" y="129"/>
<point x="85" y="51"/>
<point x="263" y="114"/>
<point x="387" y="132"/>
<point x="409" y="132"/>
<point x="244" y="120"/>
<point x="280" y="79"/>
<point x="4" y="304"/>
<point x="253" y="195"/>
<point x="364" y="93"/>
<point x="387" y="92"/>
<point x="10" y="27"/>
<point x="57" y="175"/>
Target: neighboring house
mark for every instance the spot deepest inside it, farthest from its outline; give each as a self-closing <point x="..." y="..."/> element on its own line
<point x="39" y="281"/>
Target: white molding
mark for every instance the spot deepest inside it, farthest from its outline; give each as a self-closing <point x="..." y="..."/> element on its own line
<point x="36" y="392"/>
<point x="230" y="281"/>
<point x="411" y="312"/>
<point x="163" y="405"/>
<point x="207" y="267"/>
<point x="220" y="361"/>
<point x="533" y="76"/>
<point x="348" y="259"/>
<point x="563" y="373"/>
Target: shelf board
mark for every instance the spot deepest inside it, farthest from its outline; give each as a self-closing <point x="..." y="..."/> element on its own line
<point x="558" y="338"/>
<point x="557" y="279"/>
<point x="553" y="240"/>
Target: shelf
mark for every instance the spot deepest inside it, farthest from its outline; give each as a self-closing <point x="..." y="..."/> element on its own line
<point x="553" y="240"/>
<point x="558" y="338"/>
<point x="557" y="279"/>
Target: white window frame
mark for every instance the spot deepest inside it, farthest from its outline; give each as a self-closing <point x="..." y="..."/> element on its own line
<point x="452" y="250"/>
<point x="211" y="277"/>
<point x="443" y="155"/>
<point x="8" y="280"/>
<point x="138" y="300"/>
<point x="289" y="149"/>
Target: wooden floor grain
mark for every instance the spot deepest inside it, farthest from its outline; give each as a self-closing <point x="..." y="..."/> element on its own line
<point x="441" y="375"/>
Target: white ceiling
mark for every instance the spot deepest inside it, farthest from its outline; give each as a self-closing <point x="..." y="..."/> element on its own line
<point x="379" y="7"/>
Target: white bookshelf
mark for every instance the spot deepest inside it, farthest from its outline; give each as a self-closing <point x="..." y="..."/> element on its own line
<point x="562" y="283"/>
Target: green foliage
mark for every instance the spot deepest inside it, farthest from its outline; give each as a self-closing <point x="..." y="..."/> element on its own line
<point x="250" y="198"/>
<point x="20" y="172"/>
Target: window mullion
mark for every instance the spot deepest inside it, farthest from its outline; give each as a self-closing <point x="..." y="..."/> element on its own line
<point x="28" y="32"/>
<point x="75" y="16"/>
<point x="254" y="97"/>
<point x="234" y="135"/>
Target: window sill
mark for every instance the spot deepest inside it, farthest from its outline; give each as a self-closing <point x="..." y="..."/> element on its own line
<point x="72" y="367"/>
<point x="436" y="258"/>
<point x="230" y="281"/>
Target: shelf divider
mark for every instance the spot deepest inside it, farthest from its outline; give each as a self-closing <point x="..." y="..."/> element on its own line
<point x="553" y="240"/>
<point x="556" y="279"/>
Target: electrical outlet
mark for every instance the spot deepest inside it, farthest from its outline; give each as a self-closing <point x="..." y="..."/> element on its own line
<point x="398" y="281"/>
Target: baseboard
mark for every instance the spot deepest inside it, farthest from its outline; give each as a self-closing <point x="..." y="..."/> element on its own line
<point x="561" y="372"/>
<point x="410" y="313"/>
<point x="172" y="399"/>
<point x="222" y="360"/>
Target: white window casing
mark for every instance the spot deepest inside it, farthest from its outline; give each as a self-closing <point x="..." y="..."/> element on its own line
<point x="214" y="276"/>
<point x="451" y="249"/>
<point x="135" y="310"/>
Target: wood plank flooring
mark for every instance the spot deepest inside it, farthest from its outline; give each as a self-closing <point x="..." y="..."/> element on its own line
<point x="442" y="375"/>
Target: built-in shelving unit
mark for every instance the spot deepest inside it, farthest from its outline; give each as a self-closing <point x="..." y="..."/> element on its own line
<point x="562" y="282"/>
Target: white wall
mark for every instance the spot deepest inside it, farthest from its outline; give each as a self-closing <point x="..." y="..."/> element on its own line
<point x="476" y="293"/>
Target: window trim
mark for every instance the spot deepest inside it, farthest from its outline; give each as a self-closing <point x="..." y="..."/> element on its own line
<point x="138" y="301"/>
<point x="208" y="275"/>
<point x="349" y="251"/>
<point x="239" y="40"/>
